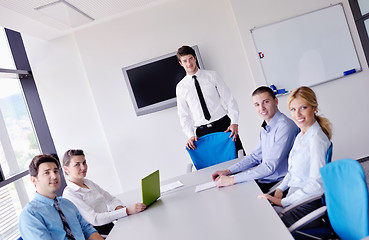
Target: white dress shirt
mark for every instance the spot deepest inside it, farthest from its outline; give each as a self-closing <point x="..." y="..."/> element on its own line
<point x="218" y="99"/>
<point x="96" y="205"/>
<point x="307" y="156"/>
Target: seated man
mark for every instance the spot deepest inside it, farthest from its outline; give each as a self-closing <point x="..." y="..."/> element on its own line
<point x="47" y="216"/>
<point x="269" y="159"/>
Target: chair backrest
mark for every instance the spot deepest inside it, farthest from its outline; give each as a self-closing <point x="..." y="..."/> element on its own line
<point x="329" y="154"/>
<point x="212" y="149"/>
<point x="346" y="196"/>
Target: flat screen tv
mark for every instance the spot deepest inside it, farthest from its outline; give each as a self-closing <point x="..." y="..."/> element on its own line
<point x="152" y="83"/>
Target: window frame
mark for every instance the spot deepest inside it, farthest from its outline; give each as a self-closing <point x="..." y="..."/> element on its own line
<point x="24" y="72"/>
<point x="360" y="25"/>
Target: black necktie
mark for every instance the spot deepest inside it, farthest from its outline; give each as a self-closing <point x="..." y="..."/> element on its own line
<point x="201" y="97"/>
<point x="64" y="220"/>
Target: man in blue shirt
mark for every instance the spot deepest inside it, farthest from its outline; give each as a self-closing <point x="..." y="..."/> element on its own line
<point x="270" y="158"/>
<point x="48" y="217"/>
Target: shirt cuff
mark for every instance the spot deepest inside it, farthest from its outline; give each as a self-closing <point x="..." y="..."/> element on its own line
<point x="233" y="169"/>
<point x="116" y="214"/>
<point x="285" y="202"/>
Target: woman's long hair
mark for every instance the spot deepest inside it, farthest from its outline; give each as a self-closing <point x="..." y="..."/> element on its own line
<point x="309" y="96"/>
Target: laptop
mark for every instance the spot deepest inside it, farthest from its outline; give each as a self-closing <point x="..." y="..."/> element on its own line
<point x="150" y="186"/>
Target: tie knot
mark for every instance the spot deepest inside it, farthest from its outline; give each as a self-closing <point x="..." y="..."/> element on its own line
<point x="56" y="203"/>
<point x="194" y="77"/>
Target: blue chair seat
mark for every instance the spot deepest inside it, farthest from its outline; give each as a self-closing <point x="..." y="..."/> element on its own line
<point x="212" y="149"/>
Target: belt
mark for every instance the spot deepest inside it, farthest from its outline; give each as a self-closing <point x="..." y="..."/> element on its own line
<point x="212" y="124"/>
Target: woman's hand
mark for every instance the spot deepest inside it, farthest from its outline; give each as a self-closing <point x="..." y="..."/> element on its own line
<point x="278" y="193"/>
<point x="135" y="208"/>
<point x="274" y="200"/>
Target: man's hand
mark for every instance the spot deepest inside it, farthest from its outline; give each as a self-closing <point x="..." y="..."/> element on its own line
<point x="217" y="174"/>
<point x="224" y="181"/>
<point x="190" y="143"/>
<point x="95" y="236"/>
<point x="234" y="129"/>
<point x="135" y="208"/>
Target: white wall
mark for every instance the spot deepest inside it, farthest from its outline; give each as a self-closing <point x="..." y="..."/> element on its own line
<point x="140" y="145"/>
<point x="343" y="101"/>
<point x="87" y="104"/>
<point x="69" y="106"/>
<point x="88" y="66"/>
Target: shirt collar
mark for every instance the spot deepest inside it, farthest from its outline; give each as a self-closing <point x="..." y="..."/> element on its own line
<point x="44" y="199"/>
<point x="197" y="74"/>
<point x="74" y="187"/>
<point x="312" y="130"/>
<point x="268" y="126"/>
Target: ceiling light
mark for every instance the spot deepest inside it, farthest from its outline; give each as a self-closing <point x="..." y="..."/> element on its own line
<point x="66" y="13"/>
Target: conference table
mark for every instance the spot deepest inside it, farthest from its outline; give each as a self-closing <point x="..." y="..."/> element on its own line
<point x="233" y="212"/>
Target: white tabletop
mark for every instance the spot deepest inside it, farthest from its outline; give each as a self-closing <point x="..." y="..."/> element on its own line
<point x="233" y="212"/>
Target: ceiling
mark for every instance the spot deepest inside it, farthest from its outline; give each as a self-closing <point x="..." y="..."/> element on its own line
<point x="99" y="10"/>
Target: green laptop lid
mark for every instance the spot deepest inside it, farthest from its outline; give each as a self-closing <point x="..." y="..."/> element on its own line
<point x="150" y="186"/>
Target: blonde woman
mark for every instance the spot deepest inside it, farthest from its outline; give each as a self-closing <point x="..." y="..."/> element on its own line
<point x="96" y="205"/>
<point x="307" y="156"/>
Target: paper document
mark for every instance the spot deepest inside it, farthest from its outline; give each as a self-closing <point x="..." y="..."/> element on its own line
<point x="205" y="186"/>
<point x="170" y="186"/>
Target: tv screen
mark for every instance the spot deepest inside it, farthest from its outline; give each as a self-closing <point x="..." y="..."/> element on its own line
<point x="152" y="84"/>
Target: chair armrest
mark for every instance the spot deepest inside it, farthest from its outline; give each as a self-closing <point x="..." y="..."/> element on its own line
<point x="272" y="189"/>
<point x="240" y="153"/>
<point x="308" y="218"/>
<point x="299" y="203"/>
<point x="189" y="168"/>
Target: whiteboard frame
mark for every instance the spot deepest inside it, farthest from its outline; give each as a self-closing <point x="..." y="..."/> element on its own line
<point x="269" y="82"/>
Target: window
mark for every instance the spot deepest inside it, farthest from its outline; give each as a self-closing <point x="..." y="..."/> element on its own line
<point x="360" y="10"/>
<point x="23" y="131"/>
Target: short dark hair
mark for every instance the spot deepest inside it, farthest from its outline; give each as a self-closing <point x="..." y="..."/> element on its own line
<point x="71" y="153"/>
<point x="38" y="160"/>
<point x="264" y="89"/>
<point x="185" y="50"/>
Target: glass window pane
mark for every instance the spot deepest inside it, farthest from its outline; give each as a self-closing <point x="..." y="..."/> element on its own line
<point x="366" y="22"/>
<point x="6" y="59"/>
<point x="18" y="140"/>
<point x="13" y="198"/>
<point x="364" y="6"/>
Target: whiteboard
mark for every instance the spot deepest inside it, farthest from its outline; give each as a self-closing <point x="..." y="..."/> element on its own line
<point x="306" y="50"/>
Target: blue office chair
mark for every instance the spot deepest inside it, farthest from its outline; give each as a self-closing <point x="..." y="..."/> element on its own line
<point x="212" y="149"/>
<point x="346" y="198"/>
<point x="329" y="154"/>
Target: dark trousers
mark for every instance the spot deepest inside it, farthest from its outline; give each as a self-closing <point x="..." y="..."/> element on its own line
<point x="219" y="126"/>
<point x="297" y="213"/>
<point x="104" y="229"/>
<point x="265" y="186"/>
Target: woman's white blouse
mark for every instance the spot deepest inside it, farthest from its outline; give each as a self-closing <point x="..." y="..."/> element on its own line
<point x="307" y="156"/>
<point x="96" y="205"/>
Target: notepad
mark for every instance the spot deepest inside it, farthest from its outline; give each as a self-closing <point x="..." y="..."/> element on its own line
<point x="170" y="186"/>
<point x="205" y="186"/>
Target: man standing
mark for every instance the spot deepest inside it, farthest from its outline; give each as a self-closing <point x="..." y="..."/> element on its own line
<point x="270" y="158"/>
<point x="205" y="104"/>
<point x="48" y="217"/>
